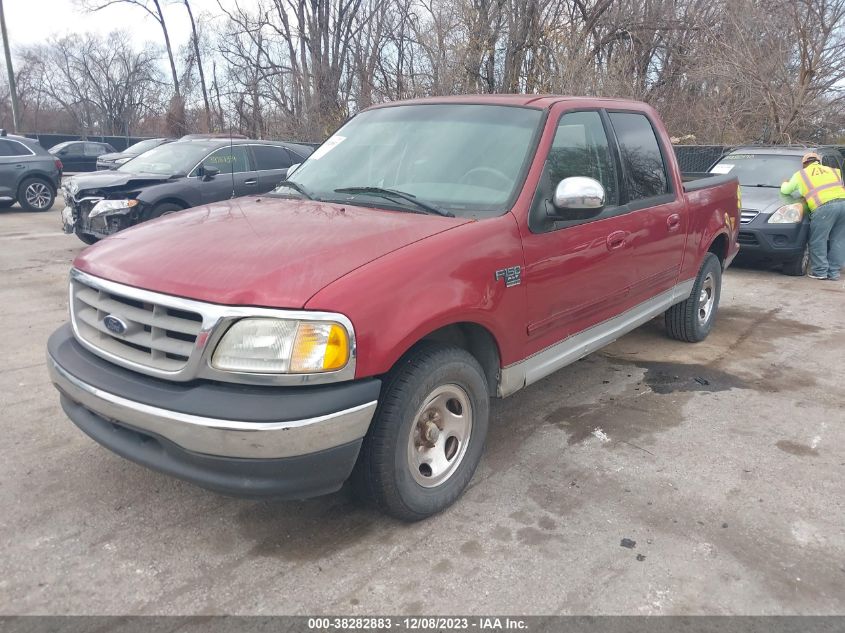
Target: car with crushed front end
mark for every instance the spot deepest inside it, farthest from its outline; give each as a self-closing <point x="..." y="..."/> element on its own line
<point x="355" y="322"/>
<point x="173" y="177"/>
<point x="773" y="228"/>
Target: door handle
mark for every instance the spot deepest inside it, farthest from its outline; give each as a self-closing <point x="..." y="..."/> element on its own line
<point x="673" y="222"/>
<point x="251" y="181"/>
<point x="19" y="166"/>
<point x="616" y="240"/>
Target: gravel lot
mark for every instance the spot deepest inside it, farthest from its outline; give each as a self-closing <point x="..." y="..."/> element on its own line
<point x="724" y="462"/>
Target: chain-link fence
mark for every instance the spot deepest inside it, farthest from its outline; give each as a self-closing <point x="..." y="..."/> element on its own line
<point x="699" y="158"/>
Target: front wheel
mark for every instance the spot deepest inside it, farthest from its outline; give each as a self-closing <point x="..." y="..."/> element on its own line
<point x="428" y="434"/>
<point x="798" y="267"/>
<point x="692" y="320"/>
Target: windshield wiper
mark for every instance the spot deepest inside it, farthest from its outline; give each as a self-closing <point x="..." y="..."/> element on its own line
<point x="393" y="193"/>
<point x="296" y="187"/>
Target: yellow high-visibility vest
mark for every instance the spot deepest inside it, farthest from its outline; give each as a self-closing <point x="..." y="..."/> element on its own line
<point x="820" y="184"/>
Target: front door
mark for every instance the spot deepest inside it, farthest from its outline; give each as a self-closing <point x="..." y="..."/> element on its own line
<point x="236" y="176"/>
<point x="578" y="272"/>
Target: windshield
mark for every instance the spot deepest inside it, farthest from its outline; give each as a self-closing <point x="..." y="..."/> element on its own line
<point x="167" y="159"/>
<point x="142" y="146"/>
<point x="60" y="146"/>
<point x="467" y="159"/>
<point x="759" y="170"/>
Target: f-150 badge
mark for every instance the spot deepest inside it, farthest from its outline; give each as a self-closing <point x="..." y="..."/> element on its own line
<point x="512" y="276"/>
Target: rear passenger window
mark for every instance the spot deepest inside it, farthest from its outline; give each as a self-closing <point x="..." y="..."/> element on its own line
<point x="13" y="148"/>
<point x="829" y="160"/>
<point x="580" y="148"/>
<point x="269" y="157"/>
<point x="645" y="171"/>
<point x="92" y="149"/>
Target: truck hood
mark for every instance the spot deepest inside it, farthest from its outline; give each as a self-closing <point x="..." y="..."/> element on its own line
<point x="106" y="180"/>
<point x="266" y="252"/>
<point x="764" y="199"/>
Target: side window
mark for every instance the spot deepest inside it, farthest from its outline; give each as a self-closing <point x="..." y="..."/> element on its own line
<point x="829" y="160"/>
<point x="75" y="149"/>
<point x="92" y="149"/>
<point x="645" y="171"/>
<point x="229" y="160"/>
<point x="580" y="148"/>
<point x="269" y="157"/>
<point x="7" y="149"/>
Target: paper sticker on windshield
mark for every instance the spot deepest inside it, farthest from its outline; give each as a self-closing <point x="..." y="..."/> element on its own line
<point x="722" y="168"/>
<point x="326" y="147"/>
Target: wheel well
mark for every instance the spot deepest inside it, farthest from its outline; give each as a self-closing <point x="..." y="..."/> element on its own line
<point x="37" y="175"/>
<point x="175" y="201"/>
<point x="719" y="247"/>
<point x="478" y="341"/>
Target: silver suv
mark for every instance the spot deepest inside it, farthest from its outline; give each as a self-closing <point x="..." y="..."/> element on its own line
<point x="29" y="174"/>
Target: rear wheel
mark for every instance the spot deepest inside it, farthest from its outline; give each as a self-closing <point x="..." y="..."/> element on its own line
<point x="428" y="434"/>
<point x="798" y="267"/>
<point x="692" y="320"/>
<point x="36" y="194"/>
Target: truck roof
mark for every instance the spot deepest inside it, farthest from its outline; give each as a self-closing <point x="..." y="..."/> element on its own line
<point x="539" y="101"/>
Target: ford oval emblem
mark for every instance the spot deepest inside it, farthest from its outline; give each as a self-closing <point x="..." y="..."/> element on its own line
<point x="114" y="324"/>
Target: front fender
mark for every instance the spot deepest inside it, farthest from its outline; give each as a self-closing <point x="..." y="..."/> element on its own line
<point x="398" y="299"/>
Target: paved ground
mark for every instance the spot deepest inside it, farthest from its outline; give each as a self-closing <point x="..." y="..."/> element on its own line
<point x="724" y="462"/>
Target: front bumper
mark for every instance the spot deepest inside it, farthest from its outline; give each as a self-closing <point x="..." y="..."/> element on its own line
<point x="292" y="442"/>
<point x="776" y="242"/>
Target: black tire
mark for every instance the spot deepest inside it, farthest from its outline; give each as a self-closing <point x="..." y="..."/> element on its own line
<point x="691" y="320"/>
<point x="86" y="237"/>
<point x="6" y="204"/>
<point x="36" y="194"/>
<point x="165" y="208"/>
<point x="383" y="474"/>
<point x="798" y="267"/>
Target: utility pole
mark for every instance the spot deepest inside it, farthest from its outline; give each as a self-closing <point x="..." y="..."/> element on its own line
<point x="13" y="92"/>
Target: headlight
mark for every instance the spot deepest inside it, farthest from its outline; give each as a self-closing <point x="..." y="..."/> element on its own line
<point x="283" y="346"/>
<point x="788" y="214"/>
<point x="112" y="207"/>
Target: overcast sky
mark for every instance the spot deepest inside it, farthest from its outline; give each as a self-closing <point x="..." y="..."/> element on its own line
<point x="33" y="21"/>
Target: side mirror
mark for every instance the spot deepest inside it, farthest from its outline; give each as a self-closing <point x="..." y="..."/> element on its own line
<point x="577" y="198"/>
<point x="207" y="172"/>
<point x="292" y="169"/>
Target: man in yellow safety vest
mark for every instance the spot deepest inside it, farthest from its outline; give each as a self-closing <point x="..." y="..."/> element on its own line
<point x="822" y="188"/>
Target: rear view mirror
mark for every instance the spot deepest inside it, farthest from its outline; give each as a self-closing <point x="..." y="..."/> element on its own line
<point x="208" y="172"/>
<point x="292" y="169"/>
<point x="577" y="198"/>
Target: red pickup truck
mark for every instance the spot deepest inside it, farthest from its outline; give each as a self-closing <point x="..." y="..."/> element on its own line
<point x="355" y="322"/>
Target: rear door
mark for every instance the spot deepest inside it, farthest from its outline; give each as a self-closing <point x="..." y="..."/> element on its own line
<point x="271" y="163"/>
<point x="578" y="272"/>
<point x="237" y="176"/>
<point x="659" y="232"/>
<point x="15" y="161"/>
<point x="73" y="157"/>
<point x="90" y="153"/>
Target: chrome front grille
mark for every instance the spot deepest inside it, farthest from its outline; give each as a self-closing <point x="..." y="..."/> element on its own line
<point x="153" y="335"/>
<point x="746" y="215"/>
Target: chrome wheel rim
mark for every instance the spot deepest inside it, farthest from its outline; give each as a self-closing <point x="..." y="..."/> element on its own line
<point x="440" y="435"/>
<point x="37" y="195"/>
<point x="706" y="299"/>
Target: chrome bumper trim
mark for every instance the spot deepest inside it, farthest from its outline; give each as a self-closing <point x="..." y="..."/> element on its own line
<point x="212" y="436"/>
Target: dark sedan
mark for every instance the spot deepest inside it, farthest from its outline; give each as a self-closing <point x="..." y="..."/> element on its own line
<point x="173" y="177"/>
<point x="114" y="160"/>
<point x="80" y="155"/>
